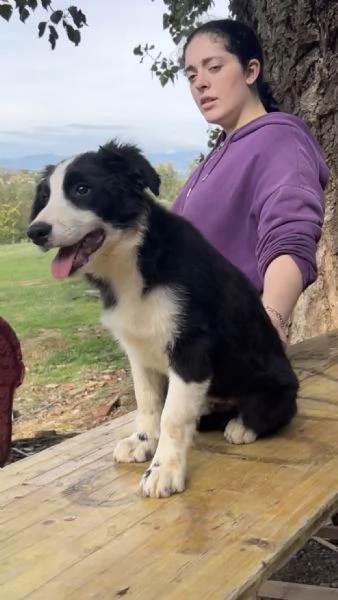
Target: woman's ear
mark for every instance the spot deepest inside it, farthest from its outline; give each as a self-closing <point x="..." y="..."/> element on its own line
<point x="253" y="70"/>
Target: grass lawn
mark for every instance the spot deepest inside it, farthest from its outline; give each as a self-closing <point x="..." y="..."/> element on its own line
<point x="56" y="321"/>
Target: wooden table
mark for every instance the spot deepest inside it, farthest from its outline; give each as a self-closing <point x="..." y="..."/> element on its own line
<point x="73" y="526"/>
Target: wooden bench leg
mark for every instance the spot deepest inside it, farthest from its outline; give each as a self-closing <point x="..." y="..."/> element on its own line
<point x="328" y="532"/>
<point x="280" y="590"/>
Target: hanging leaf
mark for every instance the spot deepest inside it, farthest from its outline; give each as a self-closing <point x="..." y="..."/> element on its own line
<point x="79" y="18"/>
<point x="24" y="14"/>
<point x="56" y="16"/>
<point x="33" y="4"/>
<point x="6" y="11"/>
<point x="74" y="35"/>
<point x="53" y="36"/>
<point x="42" y="28"/>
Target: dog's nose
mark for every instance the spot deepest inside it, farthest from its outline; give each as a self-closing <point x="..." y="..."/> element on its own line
<point x="38" y="232"/>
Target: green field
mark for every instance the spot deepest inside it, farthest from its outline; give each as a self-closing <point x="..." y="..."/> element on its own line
<point x="56" y="321"/>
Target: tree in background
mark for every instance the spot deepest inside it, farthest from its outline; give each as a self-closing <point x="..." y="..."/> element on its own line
<point x="300" y="48"/>
<point x="171" y="182"/>
<point x="71" y="19"/>
<point x="9" y="220"/>
<point x="300" y="41"/>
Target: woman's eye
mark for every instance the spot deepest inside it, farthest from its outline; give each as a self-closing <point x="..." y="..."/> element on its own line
<point x="81" y="189"/>
<point x="215" y="68"/>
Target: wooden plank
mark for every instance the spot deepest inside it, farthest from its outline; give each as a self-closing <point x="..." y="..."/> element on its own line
<point x="74" y="448"/>
<point x="280" y="590"/>
<point x="73" y="525"/>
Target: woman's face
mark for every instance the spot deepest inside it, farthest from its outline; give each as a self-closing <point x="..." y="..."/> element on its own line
<point x="218" y="83"/>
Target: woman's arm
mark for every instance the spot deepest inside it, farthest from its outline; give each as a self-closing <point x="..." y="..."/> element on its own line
<point x="283" y="284"/>
<point x="289" y="210"/>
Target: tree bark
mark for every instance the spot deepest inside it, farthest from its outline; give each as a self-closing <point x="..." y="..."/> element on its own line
<point x="300" y="44"/>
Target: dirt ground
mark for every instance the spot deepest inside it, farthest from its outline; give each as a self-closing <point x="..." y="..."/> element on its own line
<point x="65" y="410"/>
<point x="72" y="408"/>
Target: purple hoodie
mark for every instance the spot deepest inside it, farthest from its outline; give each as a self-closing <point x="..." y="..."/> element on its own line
<point x="260" y="195"/>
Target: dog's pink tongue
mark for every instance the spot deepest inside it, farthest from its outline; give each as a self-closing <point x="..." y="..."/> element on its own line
<point x="62" y="262"/>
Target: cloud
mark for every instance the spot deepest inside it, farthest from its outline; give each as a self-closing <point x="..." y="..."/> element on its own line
<point x="72" y="99"/>
<point x="96" y="127"/>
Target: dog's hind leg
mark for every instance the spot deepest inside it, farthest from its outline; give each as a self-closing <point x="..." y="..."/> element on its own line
<point x="183" y="406"/>
<point x="149" y="389"/>
<point x="262" y="414"/>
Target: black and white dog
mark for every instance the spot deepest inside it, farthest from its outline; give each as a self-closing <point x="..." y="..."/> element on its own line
<point x="192" y="325"/>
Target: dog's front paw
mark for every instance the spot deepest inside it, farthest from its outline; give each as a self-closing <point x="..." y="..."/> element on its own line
<point x="162" y="480"/>
<point x="138" y="447"/>
<point x="236" y="433"/>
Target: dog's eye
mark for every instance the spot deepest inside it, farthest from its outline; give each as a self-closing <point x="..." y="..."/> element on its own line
<point x="81" y="189"/>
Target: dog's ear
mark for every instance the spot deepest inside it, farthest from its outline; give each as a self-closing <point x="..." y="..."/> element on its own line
<point x="46" y="172"/>
<point x="42" y="192"/>
<point x="119" y="155"/>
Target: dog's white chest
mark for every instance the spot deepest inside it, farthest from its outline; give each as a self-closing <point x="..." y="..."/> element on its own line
<point x="145" y="326"/>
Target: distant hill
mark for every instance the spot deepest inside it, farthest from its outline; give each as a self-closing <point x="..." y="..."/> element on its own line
<point x="36" y="162"/>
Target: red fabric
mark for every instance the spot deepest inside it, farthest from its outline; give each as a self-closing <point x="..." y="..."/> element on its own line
<point x="12" y="372"/>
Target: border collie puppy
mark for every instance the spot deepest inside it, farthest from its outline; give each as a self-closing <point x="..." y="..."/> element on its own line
<point x="193" y="327"/>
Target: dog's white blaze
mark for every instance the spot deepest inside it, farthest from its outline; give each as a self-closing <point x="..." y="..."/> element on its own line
<point x="69" y="223"/>
<point x="178" y="424"/>
<point x="57" y="203"/>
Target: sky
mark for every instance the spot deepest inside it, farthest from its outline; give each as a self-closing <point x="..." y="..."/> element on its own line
<point x="74" y="98"/>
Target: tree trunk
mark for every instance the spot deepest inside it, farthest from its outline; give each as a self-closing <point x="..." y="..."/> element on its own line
<point x="300" y="44"/>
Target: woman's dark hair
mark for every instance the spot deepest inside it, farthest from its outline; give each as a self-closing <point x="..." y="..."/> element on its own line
<point x="241" y="41"/>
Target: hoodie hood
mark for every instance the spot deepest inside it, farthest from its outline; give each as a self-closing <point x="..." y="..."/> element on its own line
<point x="273" y="119"/>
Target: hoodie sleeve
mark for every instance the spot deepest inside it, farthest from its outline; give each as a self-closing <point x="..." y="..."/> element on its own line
<point x="290" y="211"/>
<point x="291" y="223"/>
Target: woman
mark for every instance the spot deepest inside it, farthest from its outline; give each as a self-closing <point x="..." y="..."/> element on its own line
<point x="258" y="196"/>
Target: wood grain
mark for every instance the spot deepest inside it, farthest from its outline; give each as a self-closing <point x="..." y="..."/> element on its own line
<point x="73" y="526"/>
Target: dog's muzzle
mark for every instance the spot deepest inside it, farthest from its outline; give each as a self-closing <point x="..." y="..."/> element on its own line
<point x="39" y="233"/>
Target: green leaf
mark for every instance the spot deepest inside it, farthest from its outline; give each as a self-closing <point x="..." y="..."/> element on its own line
<point x="20" y="4"/>
<point x="42" y="28"/>
<point x="79" y="18"/>
<point x="73" y="34"/>
<point x="163" y="79"/>
<point x="56" y="16"/>
<point x="6" y="11"/>
<point x="24" y="14"/>
<point x="53" y="36"/>
<point x="137" y="51"/>
<point x="166" y="21"/>
<point x="33" y="4"/>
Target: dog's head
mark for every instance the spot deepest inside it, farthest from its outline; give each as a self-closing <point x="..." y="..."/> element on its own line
<point x="87" y="199"/>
